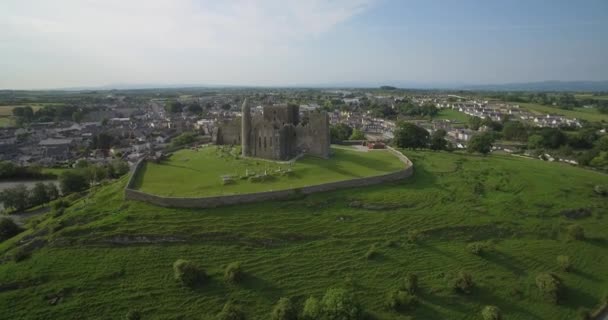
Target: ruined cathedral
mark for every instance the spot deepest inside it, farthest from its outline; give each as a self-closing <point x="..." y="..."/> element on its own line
<point x="279" y="133"/>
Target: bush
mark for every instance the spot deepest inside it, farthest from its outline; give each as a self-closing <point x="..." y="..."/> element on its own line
<point x="564" y="263"/>
<point x="400" y="300"/>
<point x="21" y="254"/>
<point x="188" y="273"/>
<point x="372" y="252"/>
<point x="73" y="181"/>
<point x="576" y="232"/>
<point x="133" y="315"/>
<point x="284" y="310"/>
<point x="490" y="313"/>
<point x="476" y="248"/>
<point x="340" y="304"/>
<point x="550" y="286"/>
<point x="60" y="204"/>
<point x="462" y="283"/>
<point x="230" y="311"/>
<point x="410" y="283"/>
<point x="312" y="309"/>
<point x="8" y="229"/>
<point x="601" y="190"/>
<point x="234" y="273"/>
<point x="584" y="314"/>
<point x="413" y="236"/>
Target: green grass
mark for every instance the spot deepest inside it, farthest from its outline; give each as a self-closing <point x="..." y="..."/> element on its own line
<point x="450" y="114"/>
<point x="5" y="122"/>
<point x="301" y="247"/>
<point x="199" y="173"/>
<point x="56" y="171"/>
<point x="579" y="113"/>
<point x="590" y="96"/>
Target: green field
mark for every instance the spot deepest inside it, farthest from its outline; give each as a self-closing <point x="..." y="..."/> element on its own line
<point x="105" y="256"/>
<point x="450" y="114"/>
<point x="5" y="121"/>
<point x="579" y="113"/>
<point x="199" y="173"/>
<point x="590" y="96"/>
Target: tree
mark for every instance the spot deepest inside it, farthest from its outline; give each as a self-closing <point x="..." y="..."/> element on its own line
<point x="563" y="262"/>
<point x="462" y="283"/>
<point x="411" y="136"/>
<point x="514" y="130"/>
<point x="601" y="144"/>
<point x="481" y="143"/>
<point x="400" y="300"/>
<point x="535" y="141"/>
<point x="550" y="286"/>
<point x="438" y="141"/>
<point x="576" y="232"/>
<point x="71" y="181"/>
<point x="16" y="197"/>
<point x="474" y="123"/>
<point x="357" y="135"/>
<point x="102" y="141"/>
<point x="340" y="304"/>
<point x="284" y="310"/>
<point x="234" y="272"/>
<point x="8" y="229"/>
<point x="77" y="116"/>
<point x="188" y="273"/>
<point x="340" y="132"/>
<point x="195" y="108"/>
<point x="184" y="139"/>
<point x="231" y="311"/>
<point x="39" y="194"/>
<point x="174" y="106"/>
<point x="52" y="191"/>
<point x="410" y="283"/>
<point x="312" y="309"/>
<point x="490" y="313"/>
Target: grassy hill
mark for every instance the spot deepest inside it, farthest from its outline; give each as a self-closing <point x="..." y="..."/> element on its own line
<point x="105" y="256"/>
<point x="199" y="173"/>
<point x="579" y="113"/>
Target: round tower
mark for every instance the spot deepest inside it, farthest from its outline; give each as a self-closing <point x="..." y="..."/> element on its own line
<point x="245" y="129"/>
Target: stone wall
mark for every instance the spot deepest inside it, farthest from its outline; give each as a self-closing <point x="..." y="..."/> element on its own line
<point x="217" y="201"/>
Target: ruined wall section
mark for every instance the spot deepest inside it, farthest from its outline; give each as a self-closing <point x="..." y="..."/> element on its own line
<point x="228" y="132"/>
<point x="314" y="137"/>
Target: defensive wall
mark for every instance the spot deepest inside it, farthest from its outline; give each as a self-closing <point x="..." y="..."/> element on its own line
<point x="225" y="200"/>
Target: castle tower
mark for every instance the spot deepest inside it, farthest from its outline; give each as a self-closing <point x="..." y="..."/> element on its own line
<point x="245" y="129"/>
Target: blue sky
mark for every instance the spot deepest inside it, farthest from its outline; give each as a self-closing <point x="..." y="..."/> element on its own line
<point x="69" y="43"/>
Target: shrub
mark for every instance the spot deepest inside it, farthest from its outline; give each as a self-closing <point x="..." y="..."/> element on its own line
<point x="60" y="204"/>
<point x="584" y="314"/>
<point x="601" y="190"/>
<point x="312" y="309"/>
<point x="133" y="315"/>
<point x="234" y="272"/>
<point x="188" y="273"/>
<point x="340" y="304"/>
<point x="284" y="310"/>
<point x="8" y="229"/>
<point x="413" y="236"/>
<point x="410" y="283"/>
<point x="550" y="286"/>
<point x="400" y="300"/>
<point x="462" y="283"/>
<point x="476" y="248"/>
<point x="564" y="263"/>
<point x="21" y="254"/>
<point x="490" y="313"/>
<point x="576" y="232"/>
<point x="231" y="311"/>
<point x="372" y="252"/>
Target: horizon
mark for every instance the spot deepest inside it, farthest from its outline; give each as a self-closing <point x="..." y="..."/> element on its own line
<point x="75" y="44"/>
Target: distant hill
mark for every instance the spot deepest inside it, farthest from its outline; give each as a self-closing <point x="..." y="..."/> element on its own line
<point x="544" y="86"/>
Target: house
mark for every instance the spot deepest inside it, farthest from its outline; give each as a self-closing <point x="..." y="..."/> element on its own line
<point x="56" y="149"/>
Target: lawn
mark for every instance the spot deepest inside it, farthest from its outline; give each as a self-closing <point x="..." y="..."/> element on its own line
<point x="105" y="256"/>
<point x="5" y="122"/>
<point x="450" y="114"/>
<point x="579" y="113"/>
<point x="590" y="96"/>
<point x="199" y="173"/>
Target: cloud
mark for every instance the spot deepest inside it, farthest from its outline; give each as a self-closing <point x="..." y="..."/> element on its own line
<point x="108" y="26"/>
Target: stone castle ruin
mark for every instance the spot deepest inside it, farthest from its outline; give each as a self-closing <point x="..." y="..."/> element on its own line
<point x="279" y="133"/>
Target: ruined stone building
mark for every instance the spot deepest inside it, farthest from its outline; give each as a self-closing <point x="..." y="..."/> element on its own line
<point x="279" y="133"/>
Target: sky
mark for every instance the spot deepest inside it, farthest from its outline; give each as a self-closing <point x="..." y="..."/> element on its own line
<point x="87" y="43"/>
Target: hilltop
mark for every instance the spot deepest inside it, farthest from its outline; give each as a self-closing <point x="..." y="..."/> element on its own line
<point x="105" y="256"/>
